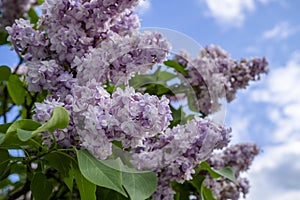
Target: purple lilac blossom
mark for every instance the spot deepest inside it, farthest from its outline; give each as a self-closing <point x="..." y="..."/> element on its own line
<point x="239" y="157"/>
<point x="106" y="47"/>
<point x="30" y="43"/>
<point x="140" y="116"/>
<point x="48" y="75"/>
<point x="75" y="36"/>
<point x="119" y="58"/>
<point x="176" y="152"/>
<point x="126" y="116"/>
<point x="214" y="75"/>
<point x="98" y="118"/>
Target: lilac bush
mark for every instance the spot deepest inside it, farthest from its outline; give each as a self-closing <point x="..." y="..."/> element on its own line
<point x="82" y="58"/>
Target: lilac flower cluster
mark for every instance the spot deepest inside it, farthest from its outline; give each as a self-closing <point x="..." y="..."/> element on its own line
<point x="77" y="41"/>
<point x="178" y="150"/>
<point x="98" y="118"/>
<point x="239" y="157"/>
<point x="214" y="75"/>
<point x="10" y="10"/>
<point x="118" y="58"/>
<point x="126" y="116"/>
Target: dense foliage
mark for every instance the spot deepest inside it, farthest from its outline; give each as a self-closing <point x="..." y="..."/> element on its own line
<point x="100" y="110"/>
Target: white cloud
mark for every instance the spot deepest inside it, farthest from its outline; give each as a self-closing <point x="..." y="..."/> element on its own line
<point x="229" y="12"/>
<point x="281" y="93"/>
<point x="275" y="173"/>
<point x="282" y="30"/>
<point x="144" y="6"/>
<point x="280" y="2"/>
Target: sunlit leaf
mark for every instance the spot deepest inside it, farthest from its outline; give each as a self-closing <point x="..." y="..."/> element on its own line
<point x="179" y="68"/>
<point x="59" y="120"/>
<point x="33" y="16"/>
<point x="40" y="2"/>
<point x="138" y="184"/>
<point x="24" y="135"/>
<point x="11" y="139"/>
<point x="98" y="173"/>
<point x="227" y="172"/>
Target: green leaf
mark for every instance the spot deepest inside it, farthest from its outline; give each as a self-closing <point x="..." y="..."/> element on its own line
<point x="4" y="127"/>
<point x="179" y="68"/>
<point x="4" y="164"/>
<point x="107" y="194"/>
<point x="5" y="72"/>
<point x="33" y="16"/>
<point x="197" y="182"/>
<point x="182" y="190"/>
<point x="40" y="187"/>
<point x="99" y="173"/>
<point x="205" y="166"/>
<point x="25" y="124"/>
<point x="139" y="185"/>
<point x="24" y="135"/>
<point x="113" y="174"/>
<point x="141" y="80"/>
<point x="3" y="37"/>
<point x="2" y="137"/>
<point x="87" y="189"/>
<point x="63" y="163"/>
<point x="60" y="161"/>
<point x="161" y="89"/>
<point x="228" y="173"/>
<point x="207" y="193"/>
<point x="40" y="2"/>
<point x="16" y="89"/>
<point x="69" y="180"/>
<point x="11" y="140"/>
<point x="59" y="120"/>
<point x="164" y="76"/>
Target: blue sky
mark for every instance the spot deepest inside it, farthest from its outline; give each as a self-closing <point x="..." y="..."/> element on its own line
<point x="268" y="113"/>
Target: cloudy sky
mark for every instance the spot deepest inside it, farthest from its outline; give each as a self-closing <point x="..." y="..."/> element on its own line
<point x="268" y="113"/>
